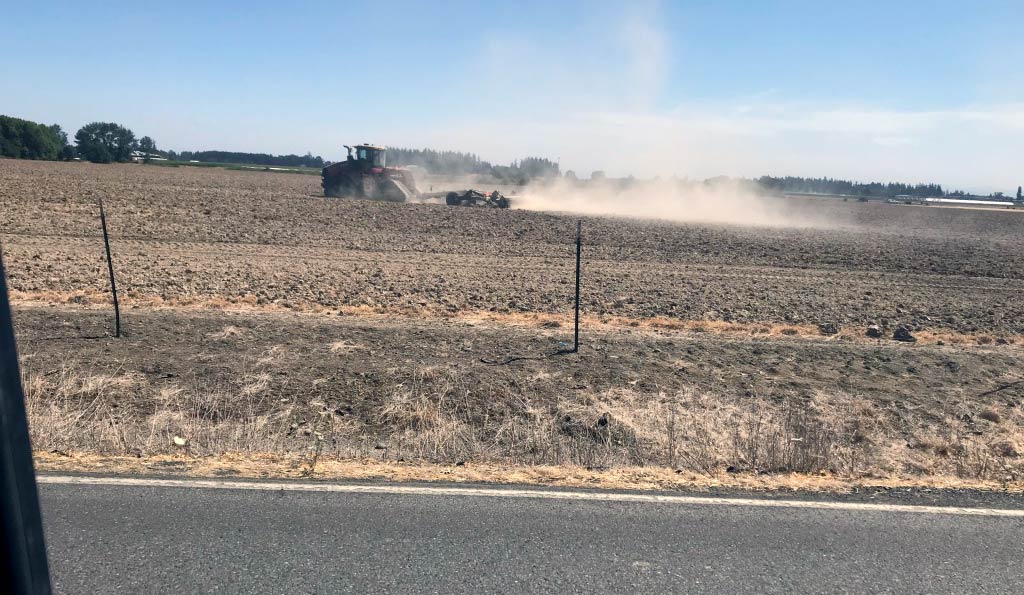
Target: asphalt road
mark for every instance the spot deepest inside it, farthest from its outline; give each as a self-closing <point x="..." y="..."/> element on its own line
<point x="140" y="539"/>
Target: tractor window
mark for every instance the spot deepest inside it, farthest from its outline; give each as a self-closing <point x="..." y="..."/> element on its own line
<point x="376" y="157"/>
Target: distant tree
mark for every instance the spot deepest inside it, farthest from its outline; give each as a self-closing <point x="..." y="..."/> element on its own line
<point x="451" y="163"/>
<point x="454" y="163"/>
<point x="1020" y="196"/>
<point x="67" y="152"/>
<point x="848" y="188"/>
<point x="23" y="139"/>
<point x="538" y="167"/>
<point x="147" y="146"/>
<point x="58" y="134"/>
<point x="103" y="142"/>
<point x="597" y="175"/>
<point x="570" y="175"/>
<point x="307" y="160"/>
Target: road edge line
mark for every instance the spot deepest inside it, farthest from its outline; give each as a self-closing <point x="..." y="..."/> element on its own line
<point x="503" y="492"/>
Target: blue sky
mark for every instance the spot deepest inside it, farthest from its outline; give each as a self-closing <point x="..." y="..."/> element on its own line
<point x="909" y="90"/>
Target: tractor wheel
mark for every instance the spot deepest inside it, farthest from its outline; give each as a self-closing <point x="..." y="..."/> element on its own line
<point x="501" y="202"/>
<point x="339" y="188"/>
<point x="452" y="200"/>
<point x="332" y="190"/>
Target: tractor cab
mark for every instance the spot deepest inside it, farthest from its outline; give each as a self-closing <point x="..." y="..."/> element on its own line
<point x="364" y="174"/>
<point x="368" y="156"/>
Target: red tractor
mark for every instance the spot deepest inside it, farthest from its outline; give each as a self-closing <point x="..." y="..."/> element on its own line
<point x="366" y="175"/>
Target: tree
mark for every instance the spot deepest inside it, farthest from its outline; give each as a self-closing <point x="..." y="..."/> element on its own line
<point x="103" y="142"/>
<point x="457" y="163"/>
<point x="147" y="146"/>
<point x="66" y="152"/>
<point x="23" y="139"/>
<point x="847" y="188"/>
<point x="59" y="135"/>
<point x="252" y="158"/>
<point x="1020" y="196"/>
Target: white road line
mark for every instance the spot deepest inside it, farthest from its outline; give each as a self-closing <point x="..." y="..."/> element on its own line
<point x="295" y="486"/>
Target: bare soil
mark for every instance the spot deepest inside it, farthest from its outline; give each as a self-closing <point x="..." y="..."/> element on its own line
<point x="261" y="317"/>
<point x="267" y="238"/>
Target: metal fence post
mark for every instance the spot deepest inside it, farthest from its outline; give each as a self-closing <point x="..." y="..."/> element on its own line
<point x="110" y="269"/>
<point x="576" y="332"/>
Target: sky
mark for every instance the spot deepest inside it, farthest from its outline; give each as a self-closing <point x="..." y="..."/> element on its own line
<point x="913" y="91"/>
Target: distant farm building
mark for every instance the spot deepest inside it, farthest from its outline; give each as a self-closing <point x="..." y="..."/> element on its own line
<point x="906" y="199"/>
<point x="971" y="201"/>
<point x="140" y="156"/>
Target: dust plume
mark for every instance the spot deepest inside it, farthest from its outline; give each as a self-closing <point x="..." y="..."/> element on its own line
<point x="719" y="201"/>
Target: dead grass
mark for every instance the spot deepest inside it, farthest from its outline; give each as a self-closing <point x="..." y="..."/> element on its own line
<point x="439" y="416"/>
<point x="345" y="347"/>
<point x="267" y="465"/>
<point x="74" y="410"/>
<point x="228" y="332"/>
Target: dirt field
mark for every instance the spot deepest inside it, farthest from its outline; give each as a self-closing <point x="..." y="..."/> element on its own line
<point x="191" y="235"/>
<point x="261" y="317"/>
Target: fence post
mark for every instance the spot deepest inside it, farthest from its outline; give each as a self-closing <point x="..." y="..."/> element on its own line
<point x="576" y="330"/>
<point x="110" y="269"/>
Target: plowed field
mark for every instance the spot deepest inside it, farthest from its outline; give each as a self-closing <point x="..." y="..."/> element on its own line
<point x="380" y="317"/>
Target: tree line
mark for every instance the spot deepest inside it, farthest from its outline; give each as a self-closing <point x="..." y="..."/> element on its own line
<point x="455" y="163"/>
<point x="846" y="187"/>
<point x="100" y="142"/>
<point x="106" y="142"/>
<point x="868" y="190"/>
<point x="109" y="142"/>
<point x="307" y="160"/>
<point x="22" y="139"/>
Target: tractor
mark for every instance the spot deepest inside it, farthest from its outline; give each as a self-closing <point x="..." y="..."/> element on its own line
<point x="366" y="175"/>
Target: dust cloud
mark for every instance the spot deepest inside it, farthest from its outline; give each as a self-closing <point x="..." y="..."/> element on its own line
<point x="717" y="201"/>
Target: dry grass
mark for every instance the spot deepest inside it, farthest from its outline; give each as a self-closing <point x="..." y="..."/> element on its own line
<point x="74" y="411"/>
<point x="266" y="465"/>
<point x="439" y="416"/>
<point x="343" y="347"/>
<point x="226" y="333"/>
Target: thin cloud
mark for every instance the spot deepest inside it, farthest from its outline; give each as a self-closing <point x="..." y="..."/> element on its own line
<point x="591" y="99"/>
<point x="598" y="98"/>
